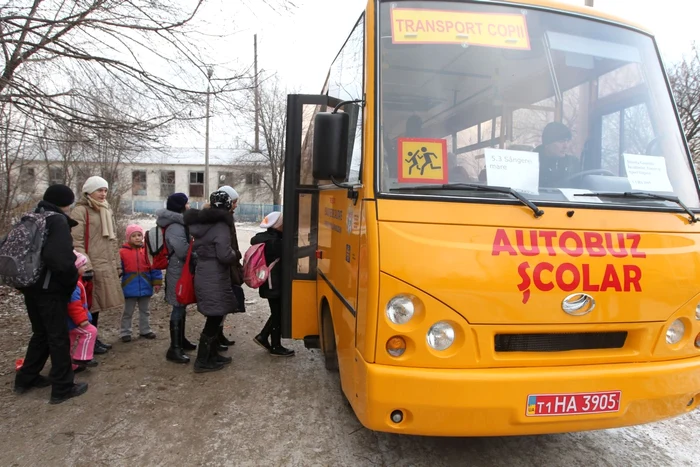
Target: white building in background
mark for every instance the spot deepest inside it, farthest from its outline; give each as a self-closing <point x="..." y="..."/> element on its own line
<point x="147" y="179"/>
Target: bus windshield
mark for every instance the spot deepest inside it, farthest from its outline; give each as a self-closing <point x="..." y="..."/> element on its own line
<point x="549" y="104"/>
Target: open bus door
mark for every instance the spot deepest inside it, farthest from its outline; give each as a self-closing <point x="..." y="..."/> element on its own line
<point x="301" y="201"/>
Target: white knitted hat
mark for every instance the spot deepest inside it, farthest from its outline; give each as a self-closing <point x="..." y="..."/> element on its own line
<point x="274" y="220"/>
<point x="93" y="184"/>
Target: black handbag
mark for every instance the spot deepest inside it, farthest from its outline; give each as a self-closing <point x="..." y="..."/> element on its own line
<point x="240" y="299"/>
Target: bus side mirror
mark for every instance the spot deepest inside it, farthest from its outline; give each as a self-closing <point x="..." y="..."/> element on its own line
<point x="330" y="148"/>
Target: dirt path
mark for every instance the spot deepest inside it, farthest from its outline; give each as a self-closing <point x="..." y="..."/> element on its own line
<point x="141" y="410"/>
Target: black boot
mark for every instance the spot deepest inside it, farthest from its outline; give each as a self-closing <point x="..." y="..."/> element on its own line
<point x="280" y="351"/>
<point x="263" y="339"/>
<point x="221" y="358"/>
<point x="223" y="341"/>
<point x="186" y="345"/>
<point x="222" y="337"/>
<point x="206" y="355"/>
<point x="175" y="353"/>
<point x="277" y="349"/>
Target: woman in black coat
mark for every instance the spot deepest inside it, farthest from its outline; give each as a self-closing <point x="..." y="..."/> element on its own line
<point x="211" y="230"/>
<point x="272" y="238"/>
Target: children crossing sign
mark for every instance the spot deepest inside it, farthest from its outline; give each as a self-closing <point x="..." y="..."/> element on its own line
<point x="422" y="160"/>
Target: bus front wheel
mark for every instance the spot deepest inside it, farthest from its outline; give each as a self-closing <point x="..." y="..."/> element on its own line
<point x="330" y="353"/>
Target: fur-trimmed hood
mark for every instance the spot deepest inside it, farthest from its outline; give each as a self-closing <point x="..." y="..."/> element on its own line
<point x="200" y="221"/>
<point x="207" y="216"/>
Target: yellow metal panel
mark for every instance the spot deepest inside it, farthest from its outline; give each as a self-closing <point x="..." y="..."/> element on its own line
<point x="339" y="240"/>
<point x="494" y="402"/>
<point x="304" y="311"/>
<point x="368" y="285"/>
<point x="465" y="212"/>
<point x="343" y="325"/>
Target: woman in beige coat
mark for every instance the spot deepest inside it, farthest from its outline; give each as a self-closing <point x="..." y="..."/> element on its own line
<point x="95" y="237"/>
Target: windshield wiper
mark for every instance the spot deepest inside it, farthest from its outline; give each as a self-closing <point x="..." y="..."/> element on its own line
<point x="472" y="186"/>
<point x="645" y="195"/>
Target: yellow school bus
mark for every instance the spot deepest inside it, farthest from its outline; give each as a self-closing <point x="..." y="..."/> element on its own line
<point x="491" y="222"/>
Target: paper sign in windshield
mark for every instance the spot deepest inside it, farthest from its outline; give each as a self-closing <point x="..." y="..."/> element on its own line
<point x="418" y="26"/>
<point x="422" y="160"/>
<point x="647" y="173"/>
<point x="519" y="170"/>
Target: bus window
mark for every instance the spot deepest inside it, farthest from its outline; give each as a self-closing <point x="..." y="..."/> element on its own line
<point x="561" y="103"/>
<point x="346" y="83"/>
<point x="610" y="138"/>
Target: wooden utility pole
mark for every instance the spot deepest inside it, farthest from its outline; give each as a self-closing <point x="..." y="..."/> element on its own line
<point x="257" y="94"/>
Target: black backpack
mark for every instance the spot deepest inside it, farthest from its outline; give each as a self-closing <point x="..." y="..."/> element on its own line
<point x="20" y="251"/>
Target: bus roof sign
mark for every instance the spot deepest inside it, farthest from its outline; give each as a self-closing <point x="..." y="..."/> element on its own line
<point x="423" y="26"/>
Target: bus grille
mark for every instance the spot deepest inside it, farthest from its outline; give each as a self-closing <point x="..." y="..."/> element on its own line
<point x="560" y="342"/>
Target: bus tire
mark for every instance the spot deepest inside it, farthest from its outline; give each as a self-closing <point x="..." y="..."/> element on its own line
<point x="330" y="353"/>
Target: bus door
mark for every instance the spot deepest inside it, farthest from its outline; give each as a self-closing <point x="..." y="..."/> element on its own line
<point x="301" y="202"/>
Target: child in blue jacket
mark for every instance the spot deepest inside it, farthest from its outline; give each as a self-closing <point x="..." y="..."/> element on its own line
<point x="138" y="283"/>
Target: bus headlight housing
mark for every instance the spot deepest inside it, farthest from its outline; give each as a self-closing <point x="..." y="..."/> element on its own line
<point x="697" y="312"/>
<point x="401" y="309"/>
<point x="675" y="332"/>
<point x="441" y="335"/>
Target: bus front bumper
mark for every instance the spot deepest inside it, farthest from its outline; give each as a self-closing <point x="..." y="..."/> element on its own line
<point x="494" y="402"/>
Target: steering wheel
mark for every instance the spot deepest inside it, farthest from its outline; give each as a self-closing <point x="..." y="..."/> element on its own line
<point x="576" y="176"/>
<point x="654" y="147"/>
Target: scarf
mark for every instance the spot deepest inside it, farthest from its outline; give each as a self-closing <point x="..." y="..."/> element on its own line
<point x="105" y="216"/>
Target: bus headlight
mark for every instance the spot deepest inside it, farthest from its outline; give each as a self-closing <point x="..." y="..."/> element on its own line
<point x="675" y="332"/>
<point x="400" y="309"/>
<point x="441" y="335"/>
<point x="697" y="312"/>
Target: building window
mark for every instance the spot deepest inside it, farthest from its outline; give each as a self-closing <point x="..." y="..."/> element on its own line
<point x="139" y="186"/>
<point x="56" y="176"/>
<point x="196" y="184"/>
<point x="28" y="179"/>
<point x="167" y="182"/>
<point x="226" y="178"/>
<point x="252" y="178"/>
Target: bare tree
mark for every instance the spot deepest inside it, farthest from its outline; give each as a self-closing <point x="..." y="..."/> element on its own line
<point x="15" y="154"/>
<point x="46" y="41"/>
<point x="272" y="114"/>
<point x="685" y="83"/>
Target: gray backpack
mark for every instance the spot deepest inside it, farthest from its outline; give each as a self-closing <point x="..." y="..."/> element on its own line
<point x="20" y="251"/>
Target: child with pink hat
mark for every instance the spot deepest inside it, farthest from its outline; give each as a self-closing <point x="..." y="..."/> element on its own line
<point x="83" y="335"/>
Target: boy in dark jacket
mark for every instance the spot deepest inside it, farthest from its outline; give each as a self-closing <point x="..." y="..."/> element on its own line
<point x="272" y="238"/>
<point x="47" y="304"/>
<point x="138" y="283"/>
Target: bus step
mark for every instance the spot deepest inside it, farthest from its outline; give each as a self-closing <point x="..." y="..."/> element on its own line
<point x="312" y="342"/>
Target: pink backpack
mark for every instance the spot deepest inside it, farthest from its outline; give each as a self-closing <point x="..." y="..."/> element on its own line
<point x="255" y="269"/>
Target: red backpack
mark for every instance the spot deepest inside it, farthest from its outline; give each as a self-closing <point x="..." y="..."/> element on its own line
<point x="157" y="247"/>
<point x="255" y="269"/>
<point x="184" y="289"/>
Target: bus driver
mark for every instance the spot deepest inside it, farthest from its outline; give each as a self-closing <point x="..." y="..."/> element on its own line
<point x="555" y="164"/>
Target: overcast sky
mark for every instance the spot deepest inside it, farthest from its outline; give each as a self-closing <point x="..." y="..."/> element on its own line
<point x="299" y="45"/>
